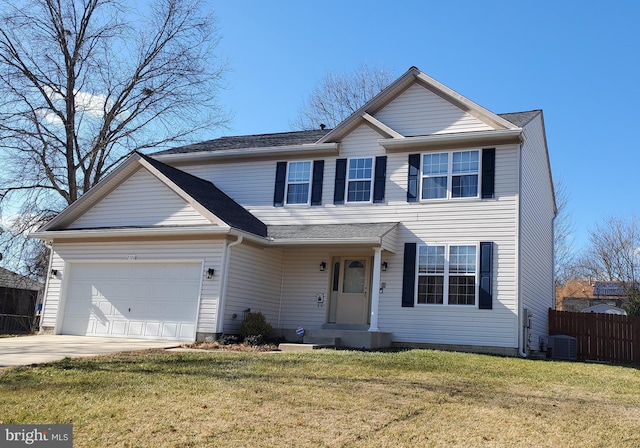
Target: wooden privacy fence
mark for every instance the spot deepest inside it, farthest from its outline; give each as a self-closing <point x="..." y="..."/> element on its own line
<point x="599" y="336"/>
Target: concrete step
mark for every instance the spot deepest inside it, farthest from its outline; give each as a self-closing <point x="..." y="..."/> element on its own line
<point x="296" y="347"/>
<point x="322" y="340"/>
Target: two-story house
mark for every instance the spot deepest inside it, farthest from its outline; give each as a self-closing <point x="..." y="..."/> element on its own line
<point x="422" y="219"/>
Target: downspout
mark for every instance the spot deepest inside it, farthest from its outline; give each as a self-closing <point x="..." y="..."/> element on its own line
<point x="521" y="324"/>
<point x="46" y="284"/>
<point x="284" y="257"/>
<point x="224" y="283"/>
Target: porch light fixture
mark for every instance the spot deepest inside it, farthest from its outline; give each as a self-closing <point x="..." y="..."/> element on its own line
<point x="210" y="272"/>
<point x="323" y="266"/>
<point x="385" y="265"/>
<point x="54" y="272"/>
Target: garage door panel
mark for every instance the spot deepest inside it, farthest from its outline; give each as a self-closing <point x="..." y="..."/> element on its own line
<point x="149" y="300"/>
<point x="135" y="328"/>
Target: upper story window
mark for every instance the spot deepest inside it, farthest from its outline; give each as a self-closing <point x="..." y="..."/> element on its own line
<point x="447" y="275"/>
<point x="359" y="179"/>
<point x="448" y="175"/>
<point x="298" y="182"/>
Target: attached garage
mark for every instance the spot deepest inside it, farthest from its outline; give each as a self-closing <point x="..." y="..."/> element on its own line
<point x="133" y="300"/>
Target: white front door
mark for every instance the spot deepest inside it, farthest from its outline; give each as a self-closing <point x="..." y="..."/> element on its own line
<point x="352" y="305"/>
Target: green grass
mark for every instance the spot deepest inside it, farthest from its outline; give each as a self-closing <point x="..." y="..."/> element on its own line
<point x="327" y="399"/>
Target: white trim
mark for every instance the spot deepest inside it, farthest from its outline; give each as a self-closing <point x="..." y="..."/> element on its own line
<point x="446" y="275"/>
<point x="380" y="127"/>
<point x="449" y="175"/>
<point x="375" y="289"/>
<point x="315" y="149"/>
<point x="309" y="183"/>
<point x="436" y="141"/>
<point x="370" y="180"/>
<point x="517" y="240"/>
<point x="62" y="299"/>
<point x="132" y="231"/>
<point x="45" y="293"/>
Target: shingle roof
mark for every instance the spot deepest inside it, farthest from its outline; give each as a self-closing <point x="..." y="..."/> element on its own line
<point x="331" y="231"/>
<point x="520" y="118"/>
<point x="9" y="279"/>
<point x="295" y="138"/>
<point x="212" y="198"/>
<point x="251" y="141"/>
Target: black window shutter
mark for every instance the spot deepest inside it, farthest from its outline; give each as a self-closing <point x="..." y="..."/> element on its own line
<point x="379" y="179"/>
<point x="486" y="262"/>
<point x="341" y="179"/>
<point x="278" y="194"/>
<point x="316" y="183"/>
<point x="488" y="172"/>
<point x="409" y="275"/>
<point x="412" y="183"/>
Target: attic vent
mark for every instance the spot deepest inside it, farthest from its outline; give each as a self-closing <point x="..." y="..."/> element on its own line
<point x="562" y="347"/>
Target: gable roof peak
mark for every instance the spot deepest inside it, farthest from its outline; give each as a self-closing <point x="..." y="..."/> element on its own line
<point x="399" y="86"/>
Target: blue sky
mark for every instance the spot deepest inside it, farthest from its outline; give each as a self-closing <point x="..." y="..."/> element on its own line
<point x="576" y="60"/>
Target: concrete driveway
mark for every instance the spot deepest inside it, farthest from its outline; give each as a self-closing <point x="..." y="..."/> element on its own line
<point x="26" y="350"/>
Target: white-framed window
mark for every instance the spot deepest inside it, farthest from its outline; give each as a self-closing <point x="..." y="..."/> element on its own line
<point x="359" y="179"/>
<point x="447" y="274"/>
<point x="298" y="186"/>
<point x="453" y="174"/>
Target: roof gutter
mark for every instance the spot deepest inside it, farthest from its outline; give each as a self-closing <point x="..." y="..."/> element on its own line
<point x="134" y="232"/>
<point x="499" y="137"/>
<point x="314" y="148"/>
<point x="324" y="241"/>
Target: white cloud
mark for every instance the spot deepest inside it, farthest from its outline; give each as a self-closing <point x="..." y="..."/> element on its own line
<point x="88" y="103"/>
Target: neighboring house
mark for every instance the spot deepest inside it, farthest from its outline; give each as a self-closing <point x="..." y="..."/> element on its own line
<point x="18" y="299"/>
<point x="577" y="295"/>
<point x="423" y="219"/>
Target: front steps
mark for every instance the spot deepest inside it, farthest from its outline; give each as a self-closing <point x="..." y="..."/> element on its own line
<point x="300" y="347"/>
<point x="323" y="338"/>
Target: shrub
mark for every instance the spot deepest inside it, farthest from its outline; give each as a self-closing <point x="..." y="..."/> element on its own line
<point x="632" y="305"/>
<point x="255" y="328"/>
<point x="228" y="339"/>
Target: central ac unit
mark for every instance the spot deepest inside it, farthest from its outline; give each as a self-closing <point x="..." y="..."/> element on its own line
<point x="562" y="347"/>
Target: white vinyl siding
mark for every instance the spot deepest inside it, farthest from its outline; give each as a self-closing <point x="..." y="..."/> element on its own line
<point x="492" y="220"/>
<point x="536" y="244"/>
<point x="207" y="253"/>
<point x="418" y="111"/>
<point x="262" y="293"/>
<point x="142" y="200"/>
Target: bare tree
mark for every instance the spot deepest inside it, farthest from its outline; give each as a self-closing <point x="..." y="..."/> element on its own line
<point x="84" y="83"/>
<point x="563" y="229"/>
<point x="614" y="255"/>
<point x="339" y="95"/>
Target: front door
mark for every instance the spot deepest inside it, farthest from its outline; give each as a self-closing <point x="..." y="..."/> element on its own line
<point x="352" y="305"/>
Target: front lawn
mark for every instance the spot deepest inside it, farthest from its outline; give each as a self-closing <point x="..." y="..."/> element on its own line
<point x="415" y="398"/>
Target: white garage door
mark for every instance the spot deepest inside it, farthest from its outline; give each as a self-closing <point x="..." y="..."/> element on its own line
<point x="134" y="300"/>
